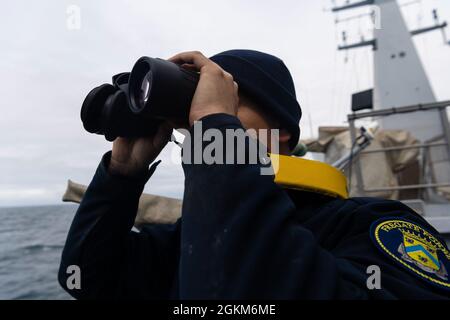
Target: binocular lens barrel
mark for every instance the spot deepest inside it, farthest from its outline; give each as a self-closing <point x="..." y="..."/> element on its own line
<point x="146" y="88"/>
<point x="161" y="89"/>
<point x="136" y="103"/>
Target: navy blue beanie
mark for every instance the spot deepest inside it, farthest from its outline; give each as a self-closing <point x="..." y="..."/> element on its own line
<point x="265" y="79"/>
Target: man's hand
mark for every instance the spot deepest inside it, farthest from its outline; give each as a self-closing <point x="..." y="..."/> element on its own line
<point x="216" y="91"/>
<point x="130" y="157"/>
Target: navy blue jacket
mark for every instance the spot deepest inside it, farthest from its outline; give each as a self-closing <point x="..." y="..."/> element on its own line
<point x="240" y="236"/>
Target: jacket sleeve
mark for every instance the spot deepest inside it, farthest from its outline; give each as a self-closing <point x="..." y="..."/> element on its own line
<point x="115" y="262"/>
<point x="240" y="237"/>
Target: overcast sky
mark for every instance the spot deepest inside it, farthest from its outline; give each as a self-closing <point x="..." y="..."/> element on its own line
<point x="47" y="70"/>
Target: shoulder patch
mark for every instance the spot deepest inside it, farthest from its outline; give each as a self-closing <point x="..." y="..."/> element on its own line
<point x="414" y="248"/>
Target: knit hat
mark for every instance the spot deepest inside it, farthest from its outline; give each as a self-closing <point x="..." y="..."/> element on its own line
<point x="267" y="81"/>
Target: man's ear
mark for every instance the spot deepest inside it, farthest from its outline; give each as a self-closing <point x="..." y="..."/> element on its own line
<point x="284" y="135"/>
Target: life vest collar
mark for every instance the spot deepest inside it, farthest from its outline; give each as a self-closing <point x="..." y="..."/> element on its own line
<point x="309" y="175"/>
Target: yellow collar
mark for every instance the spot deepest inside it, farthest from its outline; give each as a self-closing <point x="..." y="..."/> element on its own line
<point x="309" y="175"/>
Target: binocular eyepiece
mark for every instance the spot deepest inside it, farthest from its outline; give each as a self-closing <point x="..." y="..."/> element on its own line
<point x="136" y="103"/>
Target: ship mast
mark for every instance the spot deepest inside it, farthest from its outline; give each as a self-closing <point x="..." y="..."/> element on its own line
<point x="403" y="99"/>
<point x="399" y="76"/>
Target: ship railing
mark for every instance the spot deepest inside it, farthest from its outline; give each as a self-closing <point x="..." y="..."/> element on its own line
<point x="361" y="189"/>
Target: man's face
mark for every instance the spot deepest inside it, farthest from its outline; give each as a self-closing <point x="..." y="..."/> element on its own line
<point x="252" y="117"/>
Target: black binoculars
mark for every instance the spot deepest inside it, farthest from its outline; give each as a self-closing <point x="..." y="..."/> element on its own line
<point x="136" y="103"/>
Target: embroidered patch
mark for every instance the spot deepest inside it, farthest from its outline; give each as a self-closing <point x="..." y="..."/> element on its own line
<point x="414" y="248"/>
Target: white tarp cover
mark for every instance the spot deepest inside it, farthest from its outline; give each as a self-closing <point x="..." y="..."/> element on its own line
<point x="379" y="169"/>
<point x="152" y="209"/>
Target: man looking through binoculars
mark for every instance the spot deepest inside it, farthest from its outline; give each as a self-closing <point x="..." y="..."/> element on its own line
<point x="241" y="236"/>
